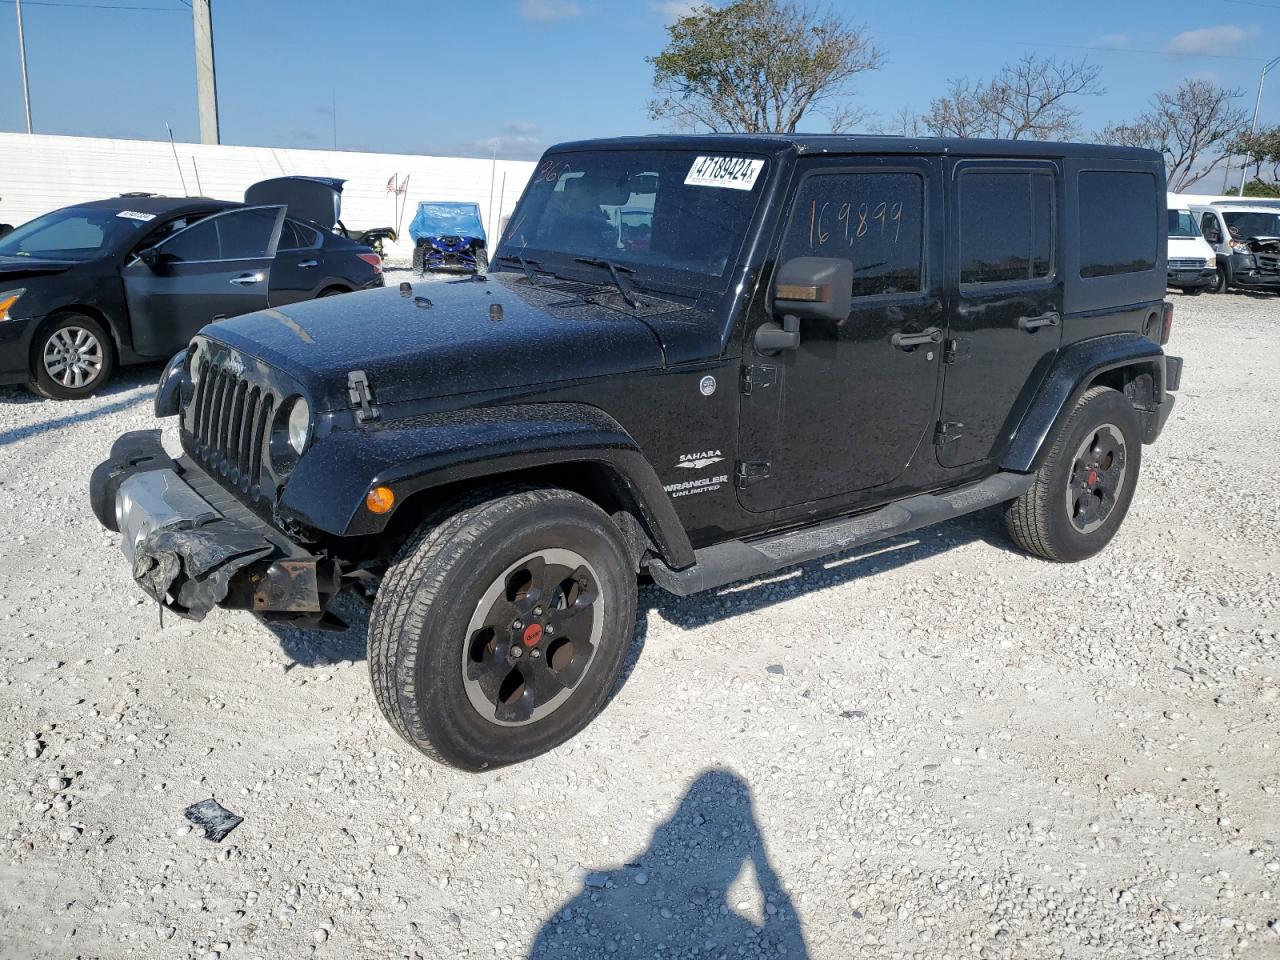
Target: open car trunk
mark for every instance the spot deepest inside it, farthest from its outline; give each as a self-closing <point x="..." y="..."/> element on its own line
<point x="318" y="199"/>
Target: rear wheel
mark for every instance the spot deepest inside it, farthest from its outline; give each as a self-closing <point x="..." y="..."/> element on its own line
<point x="482" y="261"/>
<point x="500" y="629"/>
<point x="418" y="253"/>
<point x="1083" y="489"/>
<point x="71" y="358"/>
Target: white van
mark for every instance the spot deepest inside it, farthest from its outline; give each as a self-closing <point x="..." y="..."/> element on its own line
<point x="1245" y="236"/>
<point x="1193" y="265"/>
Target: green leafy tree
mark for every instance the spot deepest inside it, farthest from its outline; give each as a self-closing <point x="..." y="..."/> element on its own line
<point x="759" y="66"/>
<point x="1259" y="149"/>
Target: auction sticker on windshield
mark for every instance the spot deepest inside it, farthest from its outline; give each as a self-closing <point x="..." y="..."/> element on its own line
<point x="135" y="215"/>
<point x="736" y="173"/>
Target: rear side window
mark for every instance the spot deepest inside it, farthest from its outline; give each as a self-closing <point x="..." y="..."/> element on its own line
<point x="295" y="236"/>
<point x="1006" y="226"/>
<point x="876" y="220"/>
<point x="1119" y="223"/>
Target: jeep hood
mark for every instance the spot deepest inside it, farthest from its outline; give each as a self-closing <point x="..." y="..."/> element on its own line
<point x="442" y="340"/>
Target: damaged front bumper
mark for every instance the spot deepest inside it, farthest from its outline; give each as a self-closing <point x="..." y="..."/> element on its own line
<point x="191" y="546"/>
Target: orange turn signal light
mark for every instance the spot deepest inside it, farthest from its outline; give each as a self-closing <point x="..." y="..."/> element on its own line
<point x="380" y="499"/>
<point x="7" y="300"/>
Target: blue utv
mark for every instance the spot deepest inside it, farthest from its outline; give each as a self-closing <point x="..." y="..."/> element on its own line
<point x="448" y="234"/>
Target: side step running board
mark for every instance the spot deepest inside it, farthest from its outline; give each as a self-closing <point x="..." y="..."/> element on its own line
<point x="733" y="560"/>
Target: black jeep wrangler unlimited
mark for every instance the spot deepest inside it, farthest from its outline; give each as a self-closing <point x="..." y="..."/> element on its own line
<point x="700" y="358"/>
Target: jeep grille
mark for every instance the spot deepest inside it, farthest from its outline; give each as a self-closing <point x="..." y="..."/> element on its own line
<point x="229" y="424"/>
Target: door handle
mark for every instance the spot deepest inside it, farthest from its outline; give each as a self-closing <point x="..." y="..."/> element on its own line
<point x="1031" y="324"/>
<point x="247" y="278"/>
<point x="308" y="264"/>
<point x="909" y="341"/>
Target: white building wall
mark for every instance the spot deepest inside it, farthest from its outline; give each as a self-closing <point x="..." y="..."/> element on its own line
<point x="39" y="173"/>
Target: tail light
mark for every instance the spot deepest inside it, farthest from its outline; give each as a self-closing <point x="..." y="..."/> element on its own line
<point x="1166" y="323"/>
<point x="375" y="261"/>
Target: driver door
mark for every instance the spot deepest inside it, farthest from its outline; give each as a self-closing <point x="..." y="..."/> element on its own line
<point x="217" y="268"/>
<point x="849" y="409"/>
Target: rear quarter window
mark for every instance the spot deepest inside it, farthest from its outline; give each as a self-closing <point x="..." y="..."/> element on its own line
<point x="1119" y="218"/>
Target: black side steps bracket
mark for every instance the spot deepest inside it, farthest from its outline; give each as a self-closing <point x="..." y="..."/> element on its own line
<point x="733" y="560"/>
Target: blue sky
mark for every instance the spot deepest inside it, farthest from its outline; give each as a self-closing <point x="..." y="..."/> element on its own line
<point x="516" y="75"/>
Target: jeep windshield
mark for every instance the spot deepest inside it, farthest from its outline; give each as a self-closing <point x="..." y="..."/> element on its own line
<point x="662" y="214"/>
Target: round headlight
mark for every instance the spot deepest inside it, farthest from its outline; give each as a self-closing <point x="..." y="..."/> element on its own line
<point x="299" y="424"/>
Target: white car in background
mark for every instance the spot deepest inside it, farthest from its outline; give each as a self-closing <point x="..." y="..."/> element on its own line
<point x="1245" y="236"/>
<point x="1193" y="265"/>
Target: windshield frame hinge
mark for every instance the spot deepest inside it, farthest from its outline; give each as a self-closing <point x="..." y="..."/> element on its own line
<point x="757" y="376"/>
<point x="360" y="393"/>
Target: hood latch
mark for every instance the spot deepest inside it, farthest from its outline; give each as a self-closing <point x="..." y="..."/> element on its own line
<point x="361" y="396"/>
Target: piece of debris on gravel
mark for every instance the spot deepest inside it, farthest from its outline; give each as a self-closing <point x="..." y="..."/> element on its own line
<point x="965" y="753"/>
<point x="213" y="818"/>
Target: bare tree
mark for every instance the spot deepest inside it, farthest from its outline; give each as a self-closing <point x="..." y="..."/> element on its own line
<point x="1192" y="126"/>
<point x="1027" y="99"/>
<point x="904" y="122"/>
<point x="759" y="66"/>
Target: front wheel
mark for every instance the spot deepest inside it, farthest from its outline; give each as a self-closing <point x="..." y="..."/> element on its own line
<point x="501" y="627"/>
<point x="1221" y="284"/>
<point x="71" y="358"/>
<point x="1083" y="489"/>
<point x="482" y="261"/>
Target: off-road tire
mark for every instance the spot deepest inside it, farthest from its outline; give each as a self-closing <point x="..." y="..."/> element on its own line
<point x="1039" y="521"/>
<point x="482" y="261"/>
<point x="419" y="623"/>
<point x="44" y="384"/>
<point x="418" y="256"/>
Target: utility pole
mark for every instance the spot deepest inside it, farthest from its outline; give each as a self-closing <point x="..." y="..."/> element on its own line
<point x="22" y="61"/>
<point x="206" y="77"/>
<point x="1257" y="105"/>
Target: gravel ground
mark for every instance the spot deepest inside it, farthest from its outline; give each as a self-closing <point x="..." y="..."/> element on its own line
<point x="937" y="749"/>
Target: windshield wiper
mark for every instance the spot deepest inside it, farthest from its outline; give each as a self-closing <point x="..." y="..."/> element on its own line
<point x="615" y="272"/>
<point x="525" y="265"/>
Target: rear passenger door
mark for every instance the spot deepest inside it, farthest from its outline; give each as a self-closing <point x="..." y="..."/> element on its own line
<point x="1005" y="304"/>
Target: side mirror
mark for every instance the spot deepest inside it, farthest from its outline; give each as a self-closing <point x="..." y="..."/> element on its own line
<point x="152" y="257"/>
<point x="806" y="288"/>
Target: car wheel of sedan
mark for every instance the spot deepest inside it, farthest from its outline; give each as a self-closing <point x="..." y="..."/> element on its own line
<point x="71" y="358"/>
<point x="501" y="627"/>
<point x="1083" y="489"/>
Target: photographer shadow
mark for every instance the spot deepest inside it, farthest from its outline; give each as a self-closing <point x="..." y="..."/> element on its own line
<point x="686" y="892"/>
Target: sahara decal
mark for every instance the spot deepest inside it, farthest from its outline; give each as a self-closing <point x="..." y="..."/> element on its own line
<point x="696" y="461"/>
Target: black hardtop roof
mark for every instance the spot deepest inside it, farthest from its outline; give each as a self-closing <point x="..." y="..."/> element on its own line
<point x="809" y="144"/>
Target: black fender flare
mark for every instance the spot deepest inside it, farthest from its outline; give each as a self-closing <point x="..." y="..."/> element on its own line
<point x="1074" y="369"/>
<point x="326" y="490"/>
